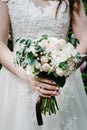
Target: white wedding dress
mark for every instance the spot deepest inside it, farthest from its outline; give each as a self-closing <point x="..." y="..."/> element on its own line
<point x="17" y="100"/>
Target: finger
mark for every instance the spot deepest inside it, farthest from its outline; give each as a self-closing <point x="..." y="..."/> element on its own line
<point x="46" y="92"/>
<point x="48" y="87"/>
<point x="46" y="81"/>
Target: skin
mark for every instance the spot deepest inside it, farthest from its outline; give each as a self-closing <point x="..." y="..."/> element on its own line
<point x="80" y="30"/>
<point x="44" y="87"/>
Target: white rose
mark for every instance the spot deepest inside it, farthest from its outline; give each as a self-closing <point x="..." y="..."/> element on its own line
<point x="45" y="67"/>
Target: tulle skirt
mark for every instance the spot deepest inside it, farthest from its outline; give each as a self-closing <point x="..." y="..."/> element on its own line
<point x="17" y="105"/>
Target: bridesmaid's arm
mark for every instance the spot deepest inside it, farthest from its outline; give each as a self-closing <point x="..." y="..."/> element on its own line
<point x="80" y="29"/>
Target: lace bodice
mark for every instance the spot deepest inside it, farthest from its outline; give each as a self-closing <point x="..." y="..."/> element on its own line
<point x="29" y="21"/>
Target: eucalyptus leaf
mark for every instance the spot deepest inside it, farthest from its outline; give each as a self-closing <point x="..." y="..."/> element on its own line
<point x="19" y="55"/>
<point x="64" y="65"/>
<point x="22" y="40"/>
<point x="37" y="47"/>
<point x="28" y="42"/>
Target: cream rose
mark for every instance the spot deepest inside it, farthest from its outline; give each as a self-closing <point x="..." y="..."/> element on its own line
<point x="45" y="67"/>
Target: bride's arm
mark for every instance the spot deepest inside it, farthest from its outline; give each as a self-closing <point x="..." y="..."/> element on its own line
<point x="80" y="29"/>
<point x="6" y="56"/>
<point x="46" y="88"/>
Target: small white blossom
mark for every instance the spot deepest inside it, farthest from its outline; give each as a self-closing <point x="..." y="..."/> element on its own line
<point x="38" y="65"/>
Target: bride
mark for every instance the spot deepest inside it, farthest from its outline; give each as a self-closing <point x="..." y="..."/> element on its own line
<point x="18" y="92"/>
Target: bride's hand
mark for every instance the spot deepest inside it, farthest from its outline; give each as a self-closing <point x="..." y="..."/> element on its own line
<point x="44" y="87"/>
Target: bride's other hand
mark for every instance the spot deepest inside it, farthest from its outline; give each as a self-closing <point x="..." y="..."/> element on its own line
<point x="44" y="87"/>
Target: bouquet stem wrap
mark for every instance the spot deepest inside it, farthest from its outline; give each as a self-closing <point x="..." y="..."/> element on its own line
<point x="38" y="111"/>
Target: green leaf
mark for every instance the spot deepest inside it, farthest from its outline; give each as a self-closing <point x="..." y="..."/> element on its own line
<point x="64" y="65"/>
<point x="28" y="42"/>
<point x="44" y="37"/>
<point x="22" y="40"/>
<point x="18" y="39"/>
<point x="37" y="47"/>
<point x="78" y="56"/>
<point x="31" y="58"/>
<point x="19" y="55"/>
<point x="30" y="55"/>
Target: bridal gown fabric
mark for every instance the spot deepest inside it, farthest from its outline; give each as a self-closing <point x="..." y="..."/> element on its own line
<point x="17" y="100"/>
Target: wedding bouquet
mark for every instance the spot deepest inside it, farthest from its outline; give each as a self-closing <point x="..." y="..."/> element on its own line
<point x="51" y="58"/>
